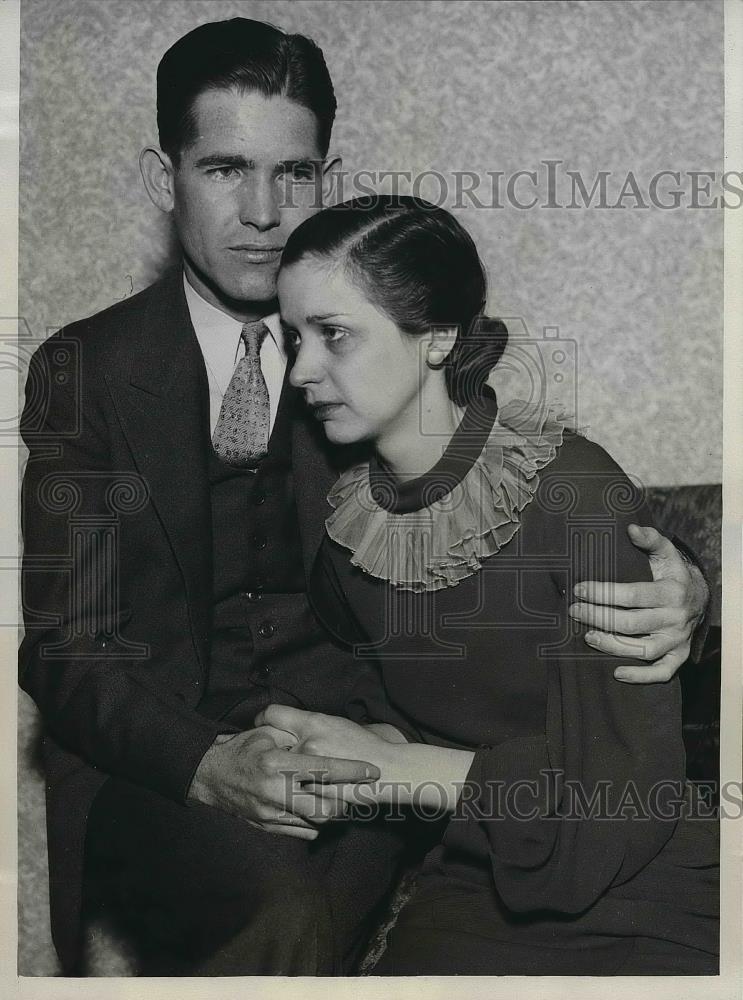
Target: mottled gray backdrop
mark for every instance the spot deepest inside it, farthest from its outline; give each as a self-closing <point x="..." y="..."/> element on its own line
<point x="465" y="86"/>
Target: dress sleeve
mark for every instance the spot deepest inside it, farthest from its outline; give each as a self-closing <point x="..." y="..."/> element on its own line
<point x="565" y="815"/>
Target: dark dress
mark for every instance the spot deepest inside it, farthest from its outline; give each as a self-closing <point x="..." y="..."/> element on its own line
<point x="577" y="847"/>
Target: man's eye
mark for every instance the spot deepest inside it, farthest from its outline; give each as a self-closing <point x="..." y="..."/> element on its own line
<point x="223" y="173"/>
<point x="302" y="172"/>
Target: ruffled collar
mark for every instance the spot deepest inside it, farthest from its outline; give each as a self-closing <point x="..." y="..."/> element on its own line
<point x="436" y="530"/>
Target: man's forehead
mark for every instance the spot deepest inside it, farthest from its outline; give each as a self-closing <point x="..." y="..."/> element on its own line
<point x="250" y="122"/>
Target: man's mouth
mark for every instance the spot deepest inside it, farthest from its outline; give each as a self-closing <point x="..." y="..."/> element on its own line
<point x="253" y="254"/>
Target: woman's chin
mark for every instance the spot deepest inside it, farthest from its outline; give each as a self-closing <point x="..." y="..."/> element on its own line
<point x="338" y="433"/>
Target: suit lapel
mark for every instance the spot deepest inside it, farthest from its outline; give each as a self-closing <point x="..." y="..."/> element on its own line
<point x="162" y="403"/>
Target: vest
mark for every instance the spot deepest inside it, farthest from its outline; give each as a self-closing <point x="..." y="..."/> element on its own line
<point x="261" y="617"/>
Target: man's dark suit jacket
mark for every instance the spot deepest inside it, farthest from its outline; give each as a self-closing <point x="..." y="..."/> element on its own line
<point x="117" y="578"/>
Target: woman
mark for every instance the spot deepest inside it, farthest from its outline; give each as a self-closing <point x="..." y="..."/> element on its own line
<point x="568" y="849"/>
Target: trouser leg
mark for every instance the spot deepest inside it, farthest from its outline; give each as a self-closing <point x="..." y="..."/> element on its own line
<point x="205" y="893"/>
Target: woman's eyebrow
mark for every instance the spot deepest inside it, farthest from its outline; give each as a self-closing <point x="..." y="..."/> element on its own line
<point x="321" y="319"/>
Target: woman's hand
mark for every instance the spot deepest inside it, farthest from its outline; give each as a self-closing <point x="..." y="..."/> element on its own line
<point x="283" y="739"/>
<point x="389" y="733"/>
<point x="409" y="773"/>
<point x="328" y="735"/>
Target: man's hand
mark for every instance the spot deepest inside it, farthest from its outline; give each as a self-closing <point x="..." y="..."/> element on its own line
<point x="662" y="615"/>
<point x="255" y="776"/>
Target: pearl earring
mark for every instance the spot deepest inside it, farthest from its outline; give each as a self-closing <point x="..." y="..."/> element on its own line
<point x="435" y="356"/>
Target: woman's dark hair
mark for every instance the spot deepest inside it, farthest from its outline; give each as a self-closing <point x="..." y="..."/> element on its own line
<point x="246" y="56"/>
<point x="419" y="266"/>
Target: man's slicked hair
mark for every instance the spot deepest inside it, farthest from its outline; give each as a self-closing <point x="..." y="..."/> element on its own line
<point x="244" y="56"/>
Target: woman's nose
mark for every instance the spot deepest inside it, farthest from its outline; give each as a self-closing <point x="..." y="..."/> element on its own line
<point x="306" y="368"/>
<point x="259" y="202"/>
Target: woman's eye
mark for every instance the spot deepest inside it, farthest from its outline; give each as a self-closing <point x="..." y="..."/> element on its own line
<point x="333" y="334"/>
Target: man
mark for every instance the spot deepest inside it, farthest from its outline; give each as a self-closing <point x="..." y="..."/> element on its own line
<point x="173" y="503"/>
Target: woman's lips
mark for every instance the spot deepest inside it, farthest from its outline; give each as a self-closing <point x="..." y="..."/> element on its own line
<point x="324" y="410"/>
<point x="258" y="255"/>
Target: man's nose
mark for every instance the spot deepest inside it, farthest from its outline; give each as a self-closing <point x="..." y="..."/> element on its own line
<point x="259" y="202"/>
<point x="306" y="369"/>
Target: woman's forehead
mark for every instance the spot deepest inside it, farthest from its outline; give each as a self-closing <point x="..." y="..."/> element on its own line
<point x="315" y="287"/>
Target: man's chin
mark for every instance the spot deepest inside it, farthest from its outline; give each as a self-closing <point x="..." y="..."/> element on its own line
<point x="258" y="288"/>
<point x="229" y="289"/>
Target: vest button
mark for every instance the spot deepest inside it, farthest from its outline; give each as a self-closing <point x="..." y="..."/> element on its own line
<point x="264" y="671"/>
<point x="253" y="595"/>
<point x="266" y="630"/>
<point x="259" y="499"/>
<point x="260" y="541"/>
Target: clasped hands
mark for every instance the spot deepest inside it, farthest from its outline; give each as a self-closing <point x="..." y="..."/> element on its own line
<point x="294" y="771"/>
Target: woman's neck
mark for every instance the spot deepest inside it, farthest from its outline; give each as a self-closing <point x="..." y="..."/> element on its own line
<point x="420" y="435"/>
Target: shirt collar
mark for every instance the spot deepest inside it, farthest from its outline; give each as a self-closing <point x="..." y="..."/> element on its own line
<point x="208" y="318"/>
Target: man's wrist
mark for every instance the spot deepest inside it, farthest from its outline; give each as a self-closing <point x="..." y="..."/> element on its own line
<point x="701" y="590"/>
<point x="698" y="578"/>
<point x="200" y="784"/>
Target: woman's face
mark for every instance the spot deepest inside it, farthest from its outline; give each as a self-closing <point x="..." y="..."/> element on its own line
<point x="361" y="375"/>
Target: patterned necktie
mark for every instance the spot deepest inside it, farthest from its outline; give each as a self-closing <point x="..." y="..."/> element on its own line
<point x="241" y="435"/>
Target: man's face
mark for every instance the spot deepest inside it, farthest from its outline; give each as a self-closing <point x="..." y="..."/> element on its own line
<point x="241" y="187"/>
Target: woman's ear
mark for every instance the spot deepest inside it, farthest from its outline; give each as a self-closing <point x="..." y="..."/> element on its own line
<point x="158" y="175"/>
<point x="440" y="345"/>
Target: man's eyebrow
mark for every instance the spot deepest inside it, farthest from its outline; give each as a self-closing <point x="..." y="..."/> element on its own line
<point x="303" y="162"/>
<point x="224" y="160"/>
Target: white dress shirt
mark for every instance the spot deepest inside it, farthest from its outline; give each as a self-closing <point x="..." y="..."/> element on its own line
<point x="219" y="339"/>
